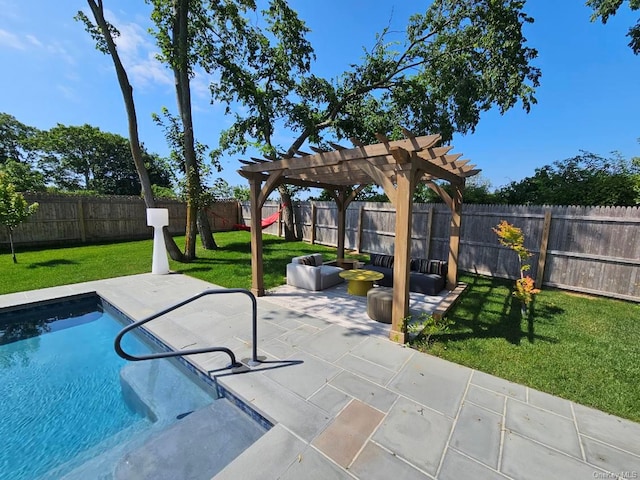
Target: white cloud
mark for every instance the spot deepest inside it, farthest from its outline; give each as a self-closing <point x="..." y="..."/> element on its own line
<point x="147" y="71"/>
<point x="34" y="41"/>
<point x="8" y="39"/>
<point x="59" y="51"/>
<point x="68" y="93"/>
<point x="137" y="52"/>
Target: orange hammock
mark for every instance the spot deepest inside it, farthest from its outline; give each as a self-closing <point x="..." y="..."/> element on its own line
<point x="266" y="222"/>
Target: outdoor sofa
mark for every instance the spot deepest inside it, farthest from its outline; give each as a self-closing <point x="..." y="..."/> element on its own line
<point x="426" y="276"/>
<point x="310" y="273"/>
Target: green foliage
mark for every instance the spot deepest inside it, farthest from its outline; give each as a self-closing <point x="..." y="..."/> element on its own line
<point x="241" y="193"/>
<point x="476" y="190"/>
<point x="586" y="179"/>
<point x="163" y="192"/>
<point x="85" y="158"/>
<point x="15" y="140"/>
<point x="14" y="209"/>
<point x="95" y="32"/>
<point x="457" y="59"/>
<point x="174" y="134"/>
<point x="426" y="327"/>
<point x="22" y="176"/>
<point x="221" y="190"/>
<point x="603" y="9"/>
<point x="370" y="193"/>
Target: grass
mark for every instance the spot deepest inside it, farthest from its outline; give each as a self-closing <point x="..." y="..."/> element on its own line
<point x="585" y="349"/>
<point x="228" y="266"/>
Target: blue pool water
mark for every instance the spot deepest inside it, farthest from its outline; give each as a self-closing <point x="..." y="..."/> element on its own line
<point x="60" y="390"/>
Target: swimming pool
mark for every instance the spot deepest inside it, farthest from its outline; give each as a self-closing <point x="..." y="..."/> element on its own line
<point x="69" y="399"/>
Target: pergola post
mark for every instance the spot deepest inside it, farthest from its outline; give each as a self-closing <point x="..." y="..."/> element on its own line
<point x="257" y="277"/>
<point x="454" y="236"/>
<point x="402" y="254"/>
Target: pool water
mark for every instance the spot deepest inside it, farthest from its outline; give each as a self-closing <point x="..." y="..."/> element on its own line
<point x="60" y="390"/>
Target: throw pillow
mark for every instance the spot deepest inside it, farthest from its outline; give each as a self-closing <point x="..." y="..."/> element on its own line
<point x="385" y="261"/>
<point x="436" y="267"/>
<point x="311" y="261"/>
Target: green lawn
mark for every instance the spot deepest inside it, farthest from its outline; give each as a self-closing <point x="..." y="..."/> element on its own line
<point x="580" y="348"/>
<point x="585" y="349"/>
<point x="228" y="266"/>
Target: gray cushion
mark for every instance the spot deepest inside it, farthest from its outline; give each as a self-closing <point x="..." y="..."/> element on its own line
<point x="309" y="260"/>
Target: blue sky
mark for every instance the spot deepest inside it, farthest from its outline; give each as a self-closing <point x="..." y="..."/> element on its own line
<point x="589" y="96"/>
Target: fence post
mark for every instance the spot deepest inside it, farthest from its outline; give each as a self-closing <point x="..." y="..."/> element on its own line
<point x="81" y="225"/>
<point x="542" y="258"/>
<point x="360" y="221"/>
<point x="428" y="233"/>
<point x="313" y="223"/>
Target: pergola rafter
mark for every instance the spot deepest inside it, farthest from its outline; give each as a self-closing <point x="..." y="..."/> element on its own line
<point x="395" y="165"/>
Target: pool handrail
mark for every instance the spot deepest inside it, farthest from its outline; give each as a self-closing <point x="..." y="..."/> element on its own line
<point x="234" y="363"/>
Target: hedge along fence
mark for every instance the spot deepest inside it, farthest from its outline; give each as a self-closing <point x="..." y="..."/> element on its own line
<point x="593" y="250"/>
<point x="63" y="219"/>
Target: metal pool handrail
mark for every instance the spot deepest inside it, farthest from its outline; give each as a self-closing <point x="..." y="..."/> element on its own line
<point x="234" y="363"/>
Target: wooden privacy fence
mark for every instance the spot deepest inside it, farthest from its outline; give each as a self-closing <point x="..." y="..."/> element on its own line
<point x="63" y="219"/>
<point x="586" y="249"/>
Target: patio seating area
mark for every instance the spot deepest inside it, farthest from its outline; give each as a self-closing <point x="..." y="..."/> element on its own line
<point x="337" y="306"/>
<point x="346" y="402"/>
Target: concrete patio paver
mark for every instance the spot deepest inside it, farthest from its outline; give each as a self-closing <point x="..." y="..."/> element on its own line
<point x="478" y="434"/>
<point x="420" y="416"/>
<point x="416" y="434"/>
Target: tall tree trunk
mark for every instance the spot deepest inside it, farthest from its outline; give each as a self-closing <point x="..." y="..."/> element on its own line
<point x="204" y="229"/>
<point x="287" y="214"/>
<point x="134" y="140"/>
<point x="181" y="72"/>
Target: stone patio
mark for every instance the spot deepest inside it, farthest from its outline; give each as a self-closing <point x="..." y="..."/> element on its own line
<point x="348" y="403"/>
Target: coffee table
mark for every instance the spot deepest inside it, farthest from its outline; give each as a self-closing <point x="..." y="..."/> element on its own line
<point x="360" y="281"/>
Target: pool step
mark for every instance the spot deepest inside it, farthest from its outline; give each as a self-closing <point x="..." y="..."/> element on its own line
<point x="158" y="390"/>
<point x="197" y="446"/>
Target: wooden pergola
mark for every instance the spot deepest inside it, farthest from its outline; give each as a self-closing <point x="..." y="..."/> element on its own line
<point x="396" y="166"/>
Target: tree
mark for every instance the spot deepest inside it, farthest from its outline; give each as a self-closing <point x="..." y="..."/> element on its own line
<point x="86" y="158"/>
<point x="15" y="139"/>
<point x="221" y="190"/>
<point x="603" y="9"/>
<point x="459" y="59"/>
<point x="103" y="33"/>
<point x="190" y="184"/>
<point x="476" y="190"/>
<point x="242" y="193"/>
<point x="370" y="193"/>
<point x="586" y="179"/>
<point x="14" y="209"/>
<point x="260" y="72"/>
<point x="178" y="32"/>
<point x="513" y="238"/>
<point x="23" y="177"/>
